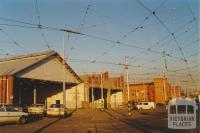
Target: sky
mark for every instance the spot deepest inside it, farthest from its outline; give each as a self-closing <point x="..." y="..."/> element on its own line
<point x="110" y="31"/>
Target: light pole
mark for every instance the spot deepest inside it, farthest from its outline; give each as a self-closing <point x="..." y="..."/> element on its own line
<point x="127" y="85"/>
<point x="64" y="92"/>
<point x="92" y="92"/>
<point x="164" y="86"/>
<point x="102" y="99"/>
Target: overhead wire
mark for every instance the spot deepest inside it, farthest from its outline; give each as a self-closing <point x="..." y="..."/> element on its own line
<point x="5" y="52"/>
<point x="39" y="25"/>
<point x="193" y="15"/>
<point x="110" y="63"/>
<point x="139" y="26"/>
<point x="173" y="36"/>
<point x="13" y="41"/>
<point x="163" y="39"/>
<point x="79" y="29"/>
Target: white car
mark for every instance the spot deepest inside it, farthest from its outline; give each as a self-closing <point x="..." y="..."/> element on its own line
<point x="38" y="109"/>
<point x="8" y="114"/>
<point x="57" y="110"/>
<point x="145" y="105"/>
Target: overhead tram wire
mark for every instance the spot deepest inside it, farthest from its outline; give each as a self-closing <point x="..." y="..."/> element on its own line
<point x="164" y="38"/>
<point x="192" y="13"/>
<point x="92" y="36"/>
<point x="6" y="53"/>
<point x="173" y="51"/>
<point x="39" y="25"/>
<point x="109" y="63"/>
<point x="139" y="26"/>
<point x="16" y="25"/>
<point x="173" y="36"/>
<point x="13" y="41"/>
<point x="42" y="26"/>
<point x="79" y="29"/>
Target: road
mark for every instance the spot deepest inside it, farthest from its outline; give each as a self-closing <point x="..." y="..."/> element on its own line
<point x="95" y="121"/>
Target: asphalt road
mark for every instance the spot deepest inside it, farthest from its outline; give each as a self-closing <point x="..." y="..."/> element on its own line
<point x="95" y="121"/>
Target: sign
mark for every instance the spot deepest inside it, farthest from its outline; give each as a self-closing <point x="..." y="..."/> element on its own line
<point x="182" y="113"/>
<point x="199" y="98"/>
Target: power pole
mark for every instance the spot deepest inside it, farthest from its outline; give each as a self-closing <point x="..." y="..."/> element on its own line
<point x="164" y="85"/>
<point x="127" y="85"/>
<point x="102" y="99"/>
<point x="64" y="76"/>
<point x="92" y="92"/>
<point x="174" y="91"/>
<point x="164" y="78"/>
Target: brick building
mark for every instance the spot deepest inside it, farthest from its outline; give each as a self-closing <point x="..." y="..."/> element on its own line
<point x="158" y="91"/>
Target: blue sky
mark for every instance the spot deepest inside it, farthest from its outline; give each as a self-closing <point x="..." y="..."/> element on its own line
<point x="109" y="19"/>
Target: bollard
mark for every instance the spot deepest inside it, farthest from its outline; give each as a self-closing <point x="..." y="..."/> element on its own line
<point x="102" y="105"/>
<point x="129" y="108"/>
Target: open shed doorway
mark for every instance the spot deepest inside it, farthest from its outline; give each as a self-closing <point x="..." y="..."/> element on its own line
<point x="24" y="91"/>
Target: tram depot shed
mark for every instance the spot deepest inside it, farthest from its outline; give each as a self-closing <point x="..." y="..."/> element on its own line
<point x="34" y="78"/>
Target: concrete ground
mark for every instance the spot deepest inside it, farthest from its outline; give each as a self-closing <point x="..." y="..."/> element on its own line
<point x="95" y="121"/>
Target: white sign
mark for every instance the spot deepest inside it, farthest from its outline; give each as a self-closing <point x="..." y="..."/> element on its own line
<point x="199" y="98"/>
<point x="182" y="113"/>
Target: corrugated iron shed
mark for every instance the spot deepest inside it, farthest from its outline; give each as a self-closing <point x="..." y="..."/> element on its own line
<point x="42" y="65"/>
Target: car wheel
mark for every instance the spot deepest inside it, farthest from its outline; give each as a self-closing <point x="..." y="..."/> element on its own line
<point x="151" y="109"/>
<point x="140" y="109"/>
<point x="22" y="120"/>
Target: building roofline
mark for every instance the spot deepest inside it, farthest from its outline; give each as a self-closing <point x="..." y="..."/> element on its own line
<point x="140" y="83"/>
<point x="34" y="55"/>
<point x="27" y="55"/>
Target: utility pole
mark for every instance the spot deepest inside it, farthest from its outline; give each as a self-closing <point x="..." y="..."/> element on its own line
<point x="127" y="85"/>
<point x="34" y="96"/>
<point x="64" y="76"/>
<point x="174" y="91"/>
<point x="164" y="85"/>
<point x="102" y="100"/>
<point x="164" y="78"/>
<point x="92" y="92"/>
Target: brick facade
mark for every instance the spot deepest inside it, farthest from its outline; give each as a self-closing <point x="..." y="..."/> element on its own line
<point x="159" y="91"/>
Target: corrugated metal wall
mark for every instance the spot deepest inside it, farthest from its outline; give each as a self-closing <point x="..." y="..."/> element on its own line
<point x="6" y="89"/>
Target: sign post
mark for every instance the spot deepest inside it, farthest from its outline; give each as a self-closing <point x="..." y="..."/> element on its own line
<point x="199" y="109"/>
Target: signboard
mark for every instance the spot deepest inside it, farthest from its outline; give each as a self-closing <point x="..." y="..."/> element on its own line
<point x="199" y="98"/>
<point x="182" y="114"/>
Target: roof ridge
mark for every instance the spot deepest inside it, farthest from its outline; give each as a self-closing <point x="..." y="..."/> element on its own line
<point x="28" y="55"/>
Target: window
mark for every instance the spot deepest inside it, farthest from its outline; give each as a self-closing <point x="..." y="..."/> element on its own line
<point x="173" y="109"/>
<point x="145" y="103"/>
<point x="190" y="109"/>
<point x="181" y="109"/>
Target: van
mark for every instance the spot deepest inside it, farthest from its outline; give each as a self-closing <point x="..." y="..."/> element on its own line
<point x="145" y="105"/>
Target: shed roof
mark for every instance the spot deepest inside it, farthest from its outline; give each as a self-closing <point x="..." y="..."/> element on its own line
<point x="17" y="64"/>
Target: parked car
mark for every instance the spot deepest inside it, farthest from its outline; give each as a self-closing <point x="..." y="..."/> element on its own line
<point x="37" y="109"/>
<point x="57" y="110"/>
<point x="9" y="114"/>
<point x="145" y="105"/>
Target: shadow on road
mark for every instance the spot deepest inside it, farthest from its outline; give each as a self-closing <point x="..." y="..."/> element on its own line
<point x="130" y="123"/>
<point x="53" y="122"/>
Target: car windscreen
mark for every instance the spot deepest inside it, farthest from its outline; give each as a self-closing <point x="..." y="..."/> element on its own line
<point x="10" y="108"/>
